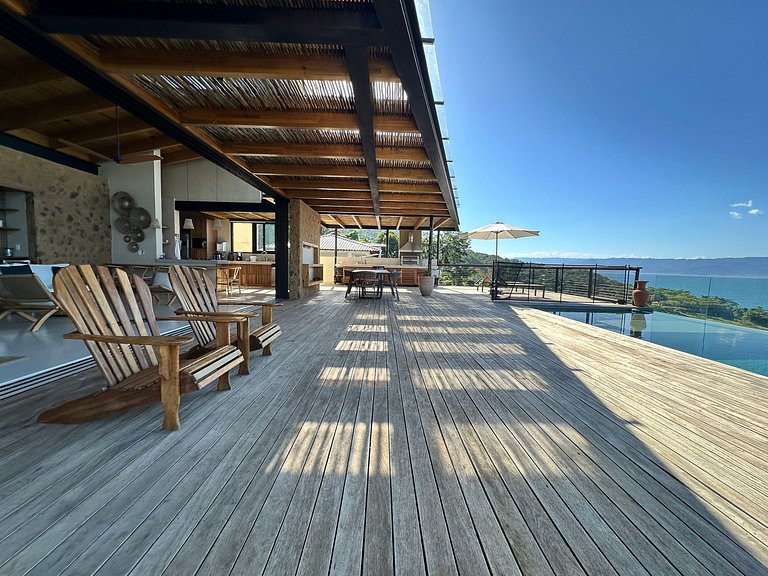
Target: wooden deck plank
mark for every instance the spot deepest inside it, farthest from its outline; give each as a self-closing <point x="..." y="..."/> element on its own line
<point x="437" y="435"/>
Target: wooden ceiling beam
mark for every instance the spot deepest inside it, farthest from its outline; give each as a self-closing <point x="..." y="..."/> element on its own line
<point x="308" y="170"/>
<point x="104" y="130"/>
<point x="179" y="156"/>
<point x="293" y="150"/>
<point x="335" y="184"/>
<point x="356" y="221"/>
<point x="399" y="223"/>
<point x="28" y="73"/>
<point x="53" y="110"/>
<point x="137" y="146"/>
<point x="207" y="22"/>
<point x="319" y="151"/>
<point x="419" y="223"/>
<point x="341" y="210"/>
<point x="333" y="219"/>
<point x="291" y="119"/>
<point x="341" y="171"/>
<point x="217" y="63"/>
<point x="357" y="195"/>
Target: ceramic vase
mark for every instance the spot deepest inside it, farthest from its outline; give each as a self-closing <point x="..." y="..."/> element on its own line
<point x="426" y="285"/>
<point x="640" y="294"/>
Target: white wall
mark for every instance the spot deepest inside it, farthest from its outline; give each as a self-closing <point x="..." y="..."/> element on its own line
<point x="202" y="181"/>
<point x="142" y="182"/>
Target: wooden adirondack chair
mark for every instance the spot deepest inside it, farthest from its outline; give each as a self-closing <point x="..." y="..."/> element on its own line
<point x="197" y="295"/>
<point x="115" y="319"/>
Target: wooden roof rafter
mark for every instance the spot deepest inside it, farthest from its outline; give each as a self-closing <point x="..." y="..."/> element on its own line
<point x="200" y="62"/>
<point x="320" y="108"/>
<point x="290" y="119"/>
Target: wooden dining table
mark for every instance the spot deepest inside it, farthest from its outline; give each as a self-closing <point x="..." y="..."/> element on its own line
<point x="377" y="274"/>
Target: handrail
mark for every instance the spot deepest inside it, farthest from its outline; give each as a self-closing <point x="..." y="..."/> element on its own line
<point x="594" y="281"/>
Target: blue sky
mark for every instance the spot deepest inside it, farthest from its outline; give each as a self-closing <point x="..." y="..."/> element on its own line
<point x="629" y="128"/>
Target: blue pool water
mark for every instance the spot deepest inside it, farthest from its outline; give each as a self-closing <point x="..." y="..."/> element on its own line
<point x="739" y="346"/>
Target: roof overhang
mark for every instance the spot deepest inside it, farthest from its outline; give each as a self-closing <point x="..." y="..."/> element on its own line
<point x="324" y="101"/>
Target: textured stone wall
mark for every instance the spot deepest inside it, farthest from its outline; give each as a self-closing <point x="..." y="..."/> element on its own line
<point x="67" y="210"/>
<point x="305" y="227"/>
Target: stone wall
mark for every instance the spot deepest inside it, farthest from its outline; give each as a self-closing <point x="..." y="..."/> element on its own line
<point x="305" y="227"/>
<point x="67" y="210"/>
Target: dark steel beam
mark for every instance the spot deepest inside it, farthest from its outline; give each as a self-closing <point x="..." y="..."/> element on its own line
<point x="207" y="22"/>
<point x="33" y="40"/>
<point x="27" y="147"/>
<point x="400" y="24"/>
<point x="357" y="62"/>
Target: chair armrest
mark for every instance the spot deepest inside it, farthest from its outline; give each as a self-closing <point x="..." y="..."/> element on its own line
<point x="246" y="303"/>
<point x="140" y="340"/>
<point x="207" y="316"/>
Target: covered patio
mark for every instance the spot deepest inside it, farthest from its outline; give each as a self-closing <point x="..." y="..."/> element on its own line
<point x="434" y="435"/>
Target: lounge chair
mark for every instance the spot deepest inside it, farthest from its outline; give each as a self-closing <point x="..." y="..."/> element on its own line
<point x="24" y="294"/>
<point x="115" y="319"/>
<point x="198" y="298"/>
<point x="505" y="276"/>
<point x="484" y="280"/>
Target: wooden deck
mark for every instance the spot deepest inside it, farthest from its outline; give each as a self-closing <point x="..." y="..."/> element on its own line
<point x="434" y="435"/>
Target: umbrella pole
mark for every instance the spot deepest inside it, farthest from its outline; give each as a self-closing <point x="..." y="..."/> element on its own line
<point x="497" y="246"/>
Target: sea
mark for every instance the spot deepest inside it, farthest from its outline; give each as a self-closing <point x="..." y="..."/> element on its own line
<point x="748" y="292"/>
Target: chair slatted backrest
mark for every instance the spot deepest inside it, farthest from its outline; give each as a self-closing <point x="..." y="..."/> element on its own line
<point x="196" y="293"/>
<point x="102" y="305"/>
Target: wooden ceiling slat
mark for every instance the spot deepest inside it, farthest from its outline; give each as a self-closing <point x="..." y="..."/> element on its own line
<point x="290" y="119"/>
<point x="55" y="109"/>
<point x="238" y="64"/>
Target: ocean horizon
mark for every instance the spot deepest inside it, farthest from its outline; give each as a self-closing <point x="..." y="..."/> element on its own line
<point x="748" y="292"/>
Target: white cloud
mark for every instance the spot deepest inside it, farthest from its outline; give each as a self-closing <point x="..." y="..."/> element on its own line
<point x="747" y="204"/>
<point x="755" y="212"/>
<point x="735" y="215"/>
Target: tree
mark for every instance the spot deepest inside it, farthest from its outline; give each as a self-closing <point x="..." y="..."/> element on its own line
<point x="453" y="248"/>
<point x="393" y="243"/>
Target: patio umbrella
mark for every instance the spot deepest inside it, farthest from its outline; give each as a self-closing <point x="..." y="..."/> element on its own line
<point x="498" y="230"/>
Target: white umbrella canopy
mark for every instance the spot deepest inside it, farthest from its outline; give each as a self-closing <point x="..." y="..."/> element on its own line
<point x="498" y="230"/>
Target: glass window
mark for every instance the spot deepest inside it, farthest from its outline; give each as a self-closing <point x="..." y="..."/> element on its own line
<point x="242" y="237"/>
<point x="253" y="237"/>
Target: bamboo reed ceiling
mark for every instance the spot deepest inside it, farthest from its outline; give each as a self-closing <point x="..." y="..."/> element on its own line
<point x="300" y="98"/>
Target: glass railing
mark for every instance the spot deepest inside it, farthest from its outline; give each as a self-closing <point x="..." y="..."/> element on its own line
<point x="721" y="318"/>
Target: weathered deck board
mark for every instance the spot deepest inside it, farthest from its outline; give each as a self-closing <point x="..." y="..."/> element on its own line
<point x="447" y="435"/>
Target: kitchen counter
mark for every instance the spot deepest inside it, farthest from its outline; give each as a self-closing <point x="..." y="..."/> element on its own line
<point x="255" y="274"/>
<point x="409" y="277"/>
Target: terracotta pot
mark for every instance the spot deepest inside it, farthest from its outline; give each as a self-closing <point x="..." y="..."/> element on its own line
<point x="640" y="294"/>
<point x="426" y="285"/>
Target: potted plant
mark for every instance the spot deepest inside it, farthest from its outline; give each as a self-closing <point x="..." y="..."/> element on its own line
<point x="427" y="282"/>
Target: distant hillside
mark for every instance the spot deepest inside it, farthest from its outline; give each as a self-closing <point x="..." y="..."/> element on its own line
<point x="754" y="267"/>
